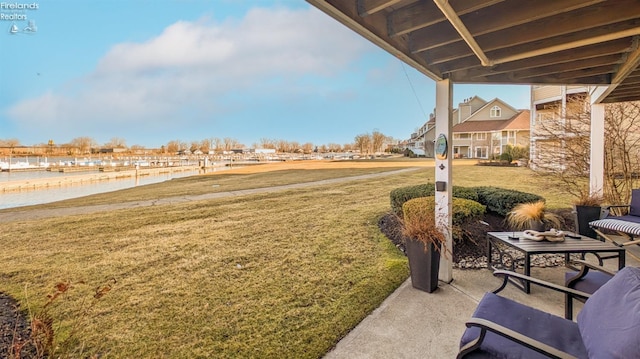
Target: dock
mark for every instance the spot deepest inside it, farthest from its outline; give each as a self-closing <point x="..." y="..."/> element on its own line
<point x="95" y="176"/>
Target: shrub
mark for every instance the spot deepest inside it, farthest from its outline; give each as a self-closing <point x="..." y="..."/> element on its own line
<point x="464" y="211"/>
<point x="401" y="195"/>
<point x="506" y="157"/>
<point x="502" y="201"/>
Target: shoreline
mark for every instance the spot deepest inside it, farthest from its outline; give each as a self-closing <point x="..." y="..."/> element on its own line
<point x="86" y="178"/>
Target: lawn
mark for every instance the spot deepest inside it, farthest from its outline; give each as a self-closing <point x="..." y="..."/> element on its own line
<point x="283" y="274"/>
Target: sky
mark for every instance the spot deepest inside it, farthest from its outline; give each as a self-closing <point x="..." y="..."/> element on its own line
<point x="154" y="71"/>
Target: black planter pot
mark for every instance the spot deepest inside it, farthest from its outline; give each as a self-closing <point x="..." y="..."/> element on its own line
<point x="423" y="264"/>
<point x="582" y="216"/>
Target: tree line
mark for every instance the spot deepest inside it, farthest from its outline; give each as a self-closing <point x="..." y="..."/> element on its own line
<point x="365" y="143"/>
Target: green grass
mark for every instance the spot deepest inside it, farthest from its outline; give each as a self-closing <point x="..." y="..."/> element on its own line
<point x="283" y="274"/>
<point x="214" y="183"/>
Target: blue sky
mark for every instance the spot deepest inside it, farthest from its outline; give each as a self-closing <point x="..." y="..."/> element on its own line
<point x="153" y="71"/>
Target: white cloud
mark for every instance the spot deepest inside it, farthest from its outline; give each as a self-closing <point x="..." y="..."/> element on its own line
<point x="190" y="66"/>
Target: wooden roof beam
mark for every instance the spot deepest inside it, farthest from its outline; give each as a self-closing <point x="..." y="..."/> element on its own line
<point x="541" y="47"/>
<point x="629" y="66"/>
<point x="455" y="21"/>
<point x="443" y="34"/>
<point x="368" y="7"/>
<point x="608" y="60"/>
<point x="608" y="48"/>
<point x="426" y="13"/>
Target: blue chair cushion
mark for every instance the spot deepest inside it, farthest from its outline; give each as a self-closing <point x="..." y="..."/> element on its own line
<point x="609" y="322"/>
<point x="634" y="207"/>
<point x="590" y="282"/>
<point x="552" y="330"/>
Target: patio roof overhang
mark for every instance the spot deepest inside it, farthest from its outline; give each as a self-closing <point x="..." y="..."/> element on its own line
<point x="562" y="42"/>
<point x="541" y="42"/>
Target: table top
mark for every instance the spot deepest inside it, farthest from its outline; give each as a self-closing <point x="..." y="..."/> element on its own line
<point x="569" y="245"/>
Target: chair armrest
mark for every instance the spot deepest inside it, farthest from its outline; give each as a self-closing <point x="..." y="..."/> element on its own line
<point x="606" y="210"/>
<point x="487" y="325"/>
<point x="586" y="266"/>
<point x="571" y="292"/>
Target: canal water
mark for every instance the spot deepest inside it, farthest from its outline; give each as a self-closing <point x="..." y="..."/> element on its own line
<point x="40" y="196"/>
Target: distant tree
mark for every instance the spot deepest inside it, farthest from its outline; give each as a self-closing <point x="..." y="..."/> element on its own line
<point x="363" y="143"/>
<point x="347" y="147"/>
<point x="294" y="147"/>
<point x="10" y="142"/>
<point x="137" y="149"/>
<point x="377" y="140"/>
<point x="307" y="147"/>
<point x="216" y="143"/>
<point x="195" y="145"/>
<point x="116" y="142"/>
<point x="205" y="145"/>
<point x="334" y="147"/>
<point x="322" y="149"/>
<point x="281" y="145"/>
<point x="83" y="144"/>
<point x="230" y="143"/>
<point x="173" y="147"/>
<point x="267" y="143"/>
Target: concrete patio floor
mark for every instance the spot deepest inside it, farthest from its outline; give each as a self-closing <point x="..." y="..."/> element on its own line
<point x="414" y="324"/>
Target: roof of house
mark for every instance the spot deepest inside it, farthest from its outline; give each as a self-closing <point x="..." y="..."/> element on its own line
<point x="521" y="121"/>
<point x="518" y="122"/>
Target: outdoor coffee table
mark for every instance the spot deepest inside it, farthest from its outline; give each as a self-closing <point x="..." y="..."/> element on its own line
<point x="501" y="240"/>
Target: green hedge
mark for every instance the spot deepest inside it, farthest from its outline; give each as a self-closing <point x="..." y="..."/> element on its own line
<point x="501" y="200"/>
<point x="498" y="200"/>
<point x="401" y="195"/>
<point x="464" y="211"/>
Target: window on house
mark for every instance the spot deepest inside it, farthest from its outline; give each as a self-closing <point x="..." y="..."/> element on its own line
<point x="481" y="136"/>
<point x="496" y="111"/>
<point x="462" y="136"/>
<point x="481" y="152"/>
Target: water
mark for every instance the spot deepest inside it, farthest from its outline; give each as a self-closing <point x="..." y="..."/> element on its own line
<point x="40" y="196"/>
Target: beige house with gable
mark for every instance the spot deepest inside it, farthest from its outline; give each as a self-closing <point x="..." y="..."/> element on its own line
<point x="480" y="129"/>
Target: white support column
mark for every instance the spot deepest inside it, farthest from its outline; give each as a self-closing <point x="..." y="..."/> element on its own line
<point x="444" y="210"/>
<point x="596" y="172"/>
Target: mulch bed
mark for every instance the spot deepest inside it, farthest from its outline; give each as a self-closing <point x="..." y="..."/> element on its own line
<point x="473" y="245"/>
<point x="14" y="330"/>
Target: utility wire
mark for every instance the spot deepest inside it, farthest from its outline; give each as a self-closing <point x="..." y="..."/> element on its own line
<point x="414" y="91"/>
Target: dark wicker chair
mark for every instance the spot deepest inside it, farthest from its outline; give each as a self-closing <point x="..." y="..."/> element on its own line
<point x="607" y="326"/>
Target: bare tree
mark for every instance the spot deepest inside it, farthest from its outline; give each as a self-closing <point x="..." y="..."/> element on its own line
<point x="217" y="144"/>
<point x="622" y="150"/>
<point x="10" y="142"/>
<point x="363" y="143"/>
<point x="307" y="147"/>
<point x="267" y="143"/>
<point x="564" y="150"/>
<point x="194" y="146"/>
<point x="230" y="143"/>
<point x="173" y="146"/>
<point x="83" y="144"/>
<point x="377" y="140"/>
<point x="116" y="142"/>
<point x="282" y="146"/>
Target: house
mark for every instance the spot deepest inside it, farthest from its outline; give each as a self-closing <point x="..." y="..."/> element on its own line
<point x="480" y="129"/>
